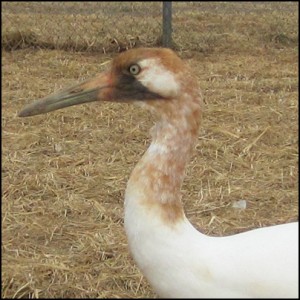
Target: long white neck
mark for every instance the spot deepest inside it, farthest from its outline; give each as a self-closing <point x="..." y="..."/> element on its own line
<point x="153" y="190"/>
<point x="154" y="216"/>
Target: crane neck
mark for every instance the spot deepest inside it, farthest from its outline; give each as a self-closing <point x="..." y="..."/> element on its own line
<point x="156" y="180"/>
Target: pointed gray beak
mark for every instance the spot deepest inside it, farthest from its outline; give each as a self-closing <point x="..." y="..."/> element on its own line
<point x="95" y="89"/>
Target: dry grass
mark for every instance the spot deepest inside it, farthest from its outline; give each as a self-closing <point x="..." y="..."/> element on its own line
<point x="105" y="27"/>
<point x="64" y="173"/>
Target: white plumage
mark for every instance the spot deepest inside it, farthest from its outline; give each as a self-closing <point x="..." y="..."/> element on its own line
<point x="181" y="262"/>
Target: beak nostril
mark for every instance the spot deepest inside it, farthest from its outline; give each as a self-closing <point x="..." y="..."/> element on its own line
<point x="75" y="91"/>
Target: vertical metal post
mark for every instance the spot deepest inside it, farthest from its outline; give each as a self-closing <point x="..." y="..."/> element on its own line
<point x="167" y="24"/>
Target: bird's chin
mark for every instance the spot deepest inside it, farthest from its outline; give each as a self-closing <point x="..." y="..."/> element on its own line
<point x="148" y="105"/>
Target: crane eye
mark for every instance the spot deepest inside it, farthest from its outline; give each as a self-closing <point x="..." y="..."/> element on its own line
<point x="134" y="69"/>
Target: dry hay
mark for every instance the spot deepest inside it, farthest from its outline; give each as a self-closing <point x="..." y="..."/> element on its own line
<point x="106" y="27"/>
<point x="94" y="32"/>
<point x="64" y="173"/>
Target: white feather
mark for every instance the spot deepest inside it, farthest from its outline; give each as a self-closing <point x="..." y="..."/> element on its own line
<point x="157" y="78"/>
<point x="181" y="262"/>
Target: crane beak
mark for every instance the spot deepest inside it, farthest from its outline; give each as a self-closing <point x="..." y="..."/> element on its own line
<point x="99" y="88"/>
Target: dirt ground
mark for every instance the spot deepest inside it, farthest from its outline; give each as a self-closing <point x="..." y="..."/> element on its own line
<point x="64" y="173"/>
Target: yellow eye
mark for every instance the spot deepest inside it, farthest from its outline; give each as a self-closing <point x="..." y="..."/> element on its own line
<point x="134" y="69"/>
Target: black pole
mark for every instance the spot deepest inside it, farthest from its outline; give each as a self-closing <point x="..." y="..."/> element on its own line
<point x="167" y="24"/>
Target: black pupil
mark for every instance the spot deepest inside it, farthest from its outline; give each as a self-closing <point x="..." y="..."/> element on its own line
<point x="134" y="69"/>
